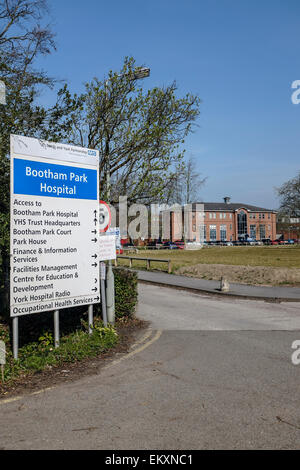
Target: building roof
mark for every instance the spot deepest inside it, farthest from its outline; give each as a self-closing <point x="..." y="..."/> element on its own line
<point x="230" y="206"/>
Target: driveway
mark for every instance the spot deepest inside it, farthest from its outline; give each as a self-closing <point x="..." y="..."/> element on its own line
<point x="211" y="374"/>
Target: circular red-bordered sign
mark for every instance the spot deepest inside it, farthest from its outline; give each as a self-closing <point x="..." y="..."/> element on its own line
<point x="104" y="216"/>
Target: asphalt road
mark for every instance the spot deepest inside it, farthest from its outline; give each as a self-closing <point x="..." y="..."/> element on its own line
<point x="171" y="309"/>
<point x="216" y="375"/>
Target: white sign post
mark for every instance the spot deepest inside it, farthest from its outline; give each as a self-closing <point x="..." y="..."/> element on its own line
<point x="54" y="226"/>
<point x="2" y="358"/>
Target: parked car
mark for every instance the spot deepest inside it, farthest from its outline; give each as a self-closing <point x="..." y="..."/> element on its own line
<point x="274" y="242"/>
<point x="266" y="241"/>
<point x="180" y="244"/>
<point x="170" y="246"/>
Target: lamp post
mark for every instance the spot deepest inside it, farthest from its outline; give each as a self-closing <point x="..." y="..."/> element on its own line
<point x="138" y="73"/>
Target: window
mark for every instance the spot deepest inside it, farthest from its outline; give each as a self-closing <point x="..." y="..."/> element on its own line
<point x="212" y="232"/>
<point x="262" y="231"/>
<point x="223" y="233"/>
<point x="242" y="224"/>
<point x="253" y="231"/>
<point x="202" y="233"/>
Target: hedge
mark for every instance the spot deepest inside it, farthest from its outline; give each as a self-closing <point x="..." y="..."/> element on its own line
<point x="126" y="295"/>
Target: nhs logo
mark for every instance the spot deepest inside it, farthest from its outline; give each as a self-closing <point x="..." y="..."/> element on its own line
<point x="93" y="153"/>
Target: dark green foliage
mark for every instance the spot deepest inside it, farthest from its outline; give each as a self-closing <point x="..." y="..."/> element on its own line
<point x="32" y="327"/>
<point x="126" y="294"/>
<point x="75" y="346"/>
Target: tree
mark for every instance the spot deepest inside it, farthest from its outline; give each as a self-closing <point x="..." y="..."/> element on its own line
<point x="289" y="195"/>
<point x="22" y="40"/>
<point x="187" y="183"/>
<point x="139" y="134"/>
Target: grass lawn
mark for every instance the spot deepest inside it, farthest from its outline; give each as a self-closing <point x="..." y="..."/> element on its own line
<point x="274" y="256"/>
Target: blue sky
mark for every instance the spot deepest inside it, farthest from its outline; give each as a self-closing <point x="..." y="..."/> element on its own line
<point x="239" y="56"/>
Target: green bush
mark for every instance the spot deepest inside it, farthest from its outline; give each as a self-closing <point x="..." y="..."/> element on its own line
<point x="126" y="294"/>
<point x="74" y="347"/>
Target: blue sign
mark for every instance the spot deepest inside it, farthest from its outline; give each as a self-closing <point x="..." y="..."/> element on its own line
<point x="52" y="180"/>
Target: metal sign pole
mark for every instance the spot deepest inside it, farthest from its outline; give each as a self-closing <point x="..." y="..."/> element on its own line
<point x="2" y="359"/>
<point x="56" y="328"/>
<point x="103" y="297"/>
<point x="90" y="319"/>
<point x="15" y="337"/>
<point x="110" y="294"/>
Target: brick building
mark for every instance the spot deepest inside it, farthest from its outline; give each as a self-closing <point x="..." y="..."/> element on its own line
<point x="224" y="221"/>
<point x="288" y="227"/>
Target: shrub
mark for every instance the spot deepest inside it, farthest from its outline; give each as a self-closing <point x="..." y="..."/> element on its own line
<point x="125" y="292"/>
<point x="74" y="347"/>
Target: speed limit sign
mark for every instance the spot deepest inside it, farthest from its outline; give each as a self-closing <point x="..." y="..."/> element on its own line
<point x="104" y="216"/>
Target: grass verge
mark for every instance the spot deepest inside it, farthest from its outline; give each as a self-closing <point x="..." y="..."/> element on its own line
<point x="40" y="355"/>
<point x="268" y="256"/>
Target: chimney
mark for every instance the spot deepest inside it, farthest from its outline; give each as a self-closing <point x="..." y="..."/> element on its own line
<point x="226" y="200"/>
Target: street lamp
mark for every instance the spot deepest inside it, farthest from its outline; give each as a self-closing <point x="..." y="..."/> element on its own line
<point x="141" y="72"/>
<point x="138" y="73"/>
